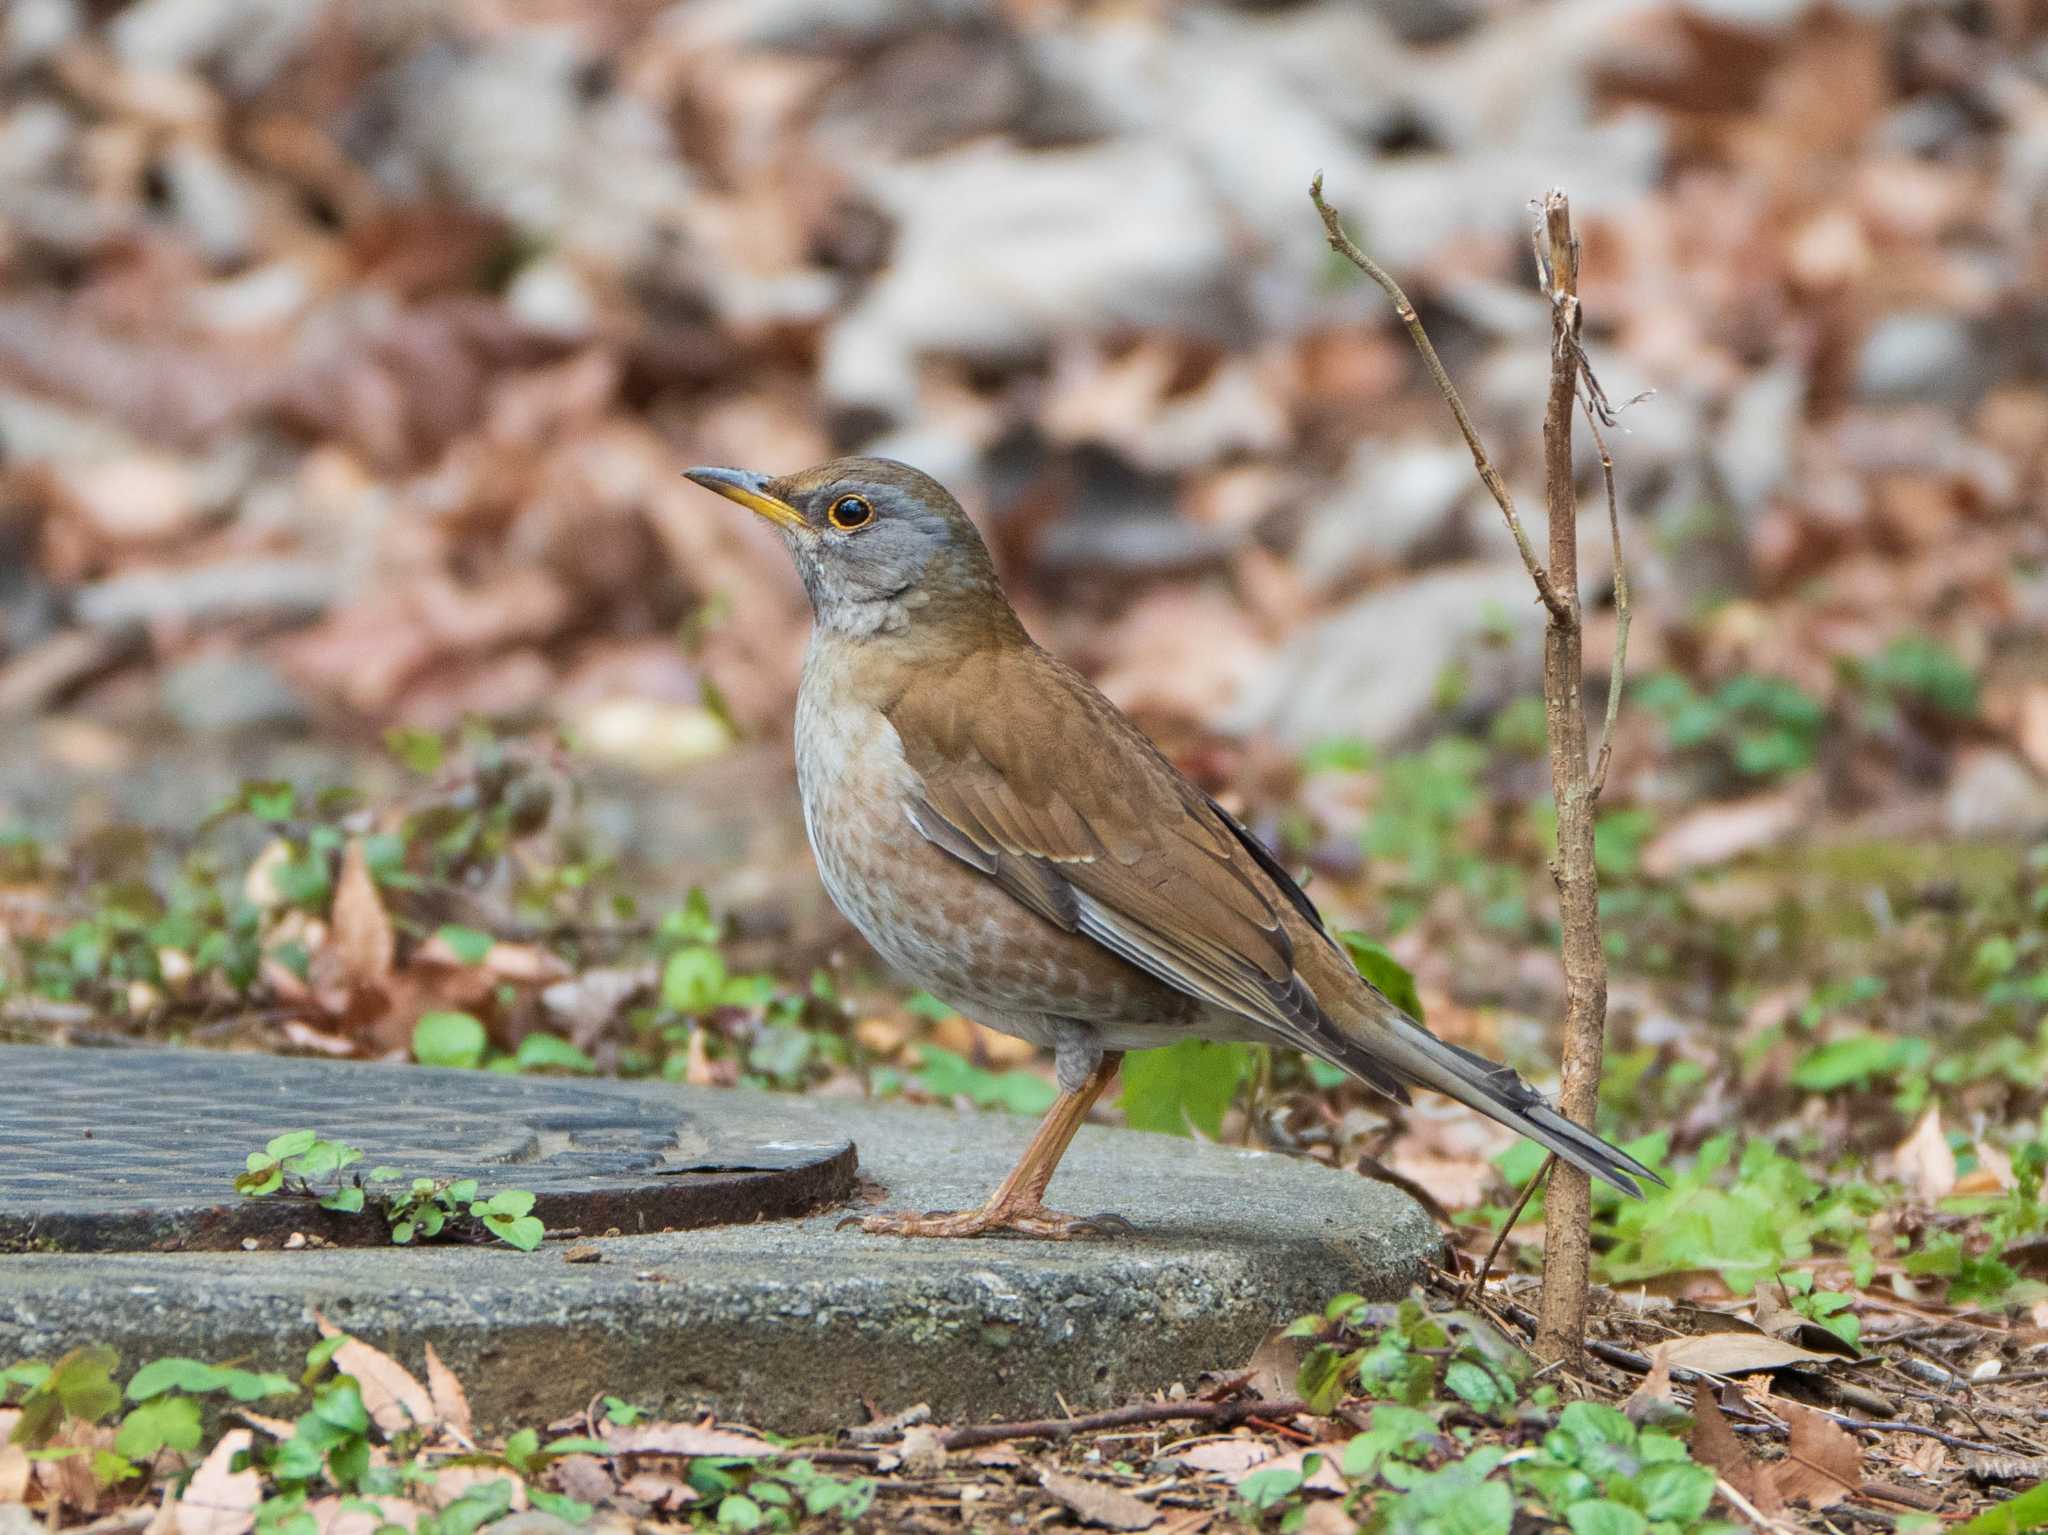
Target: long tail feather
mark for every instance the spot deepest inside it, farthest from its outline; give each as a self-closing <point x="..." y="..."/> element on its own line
<point x="1393" y="1040"/>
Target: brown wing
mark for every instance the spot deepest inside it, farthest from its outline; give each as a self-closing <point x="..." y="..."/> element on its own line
<point x="1065" y="804"/>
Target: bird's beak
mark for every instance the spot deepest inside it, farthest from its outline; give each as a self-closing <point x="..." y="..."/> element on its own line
<point x="751" y="491"/>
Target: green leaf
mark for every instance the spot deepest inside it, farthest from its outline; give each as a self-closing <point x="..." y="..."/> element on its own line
<point x="1185" y="1086"/>
<point x="448" y="1039"/>
<point x="1320" y="1380"/>
<point x="292" y="1143"/>
<point x="550" y="1052"/>
<point x="269" y="799"/>
<point x="201" y="1379"/>
<point x="1600" y="1516"/>
<point x="1384" y="971"/>
<point x="1268" y="1489"/>
<point x="737" y="1511"/>
<point x="572" y="1511"/>
<point x="521" y="1447"/>
<point x="1675" y="1490"/>
<point x="523" y="1232"/>
<point x="946" y="1075"/>
<point x="469" y="945"/>
<point x="509" y="1202"/>
<point x="82" y="1383"/>
<point x="266" y="1178"/>
<point x="2028" y="1511"/>
<point x="692" y="979"/>
<point x="340" y="1404"/>
<point x="1595" y="1423"/>
<point x="1475" y="1385"/>
<point x="419" y="750"/>
<point x="168" y="1422"/>
<point x="349" y="1200"/>
<point x="1855" y="1059"/>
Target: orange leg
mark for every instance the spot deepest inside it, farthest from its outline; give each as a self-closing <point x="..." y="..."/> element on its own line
<point x="1019" y="1204"/>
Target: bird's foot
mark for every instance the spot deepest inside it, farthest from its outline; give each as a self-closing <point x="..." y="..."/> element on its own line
<point x="1026" y="1219"/>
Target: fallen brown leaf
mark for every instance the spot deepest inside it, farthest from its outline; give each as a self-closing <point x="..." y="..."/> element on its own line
<point x="587" y="1478"/>
<point x="1714" y="834"/>
<point x="451" y="1402"/>
<point x="685" y="1439"/>
<point x="364" y="942"/>
<point x="220" y="1500"/>
<point x="1735" y="1353"/>
<point x="1652" y="1401"/>
<point x="362" y="1516"/>
<point x="658" y="1490"/>
<point x="1227" y="1457"/>
<point x="392" y="1395"/>
<point x="14" y="1463"/>
<point x="1713" y="1443"/>
<point x="1824" y="1463"/>
<point x="1095" y="1503"/>
<point x="1925" y="1162"/>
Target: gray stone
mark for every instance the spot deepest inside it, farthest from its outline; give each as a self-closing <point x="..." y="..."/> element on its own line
<point x="1375" y="670"/>
<point x="231" y="692"/>
<point x="215" y="593"/>
<point x="793" y="1324"/>
<point x="1920" y="354"/>
<point x="996" y="253"/>
<point x="1392" y="497"/>
<point x="1753" y="450"/>
<point x="1992" y="794"/>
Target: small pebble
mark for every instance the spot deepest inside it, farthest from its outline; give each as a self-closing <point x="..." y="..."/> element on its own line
<point x="583" y="1252"/>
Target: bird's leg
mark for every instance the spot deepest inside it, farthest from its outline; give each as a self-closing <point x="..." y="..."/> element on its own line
<point x="1018" y="1205"/>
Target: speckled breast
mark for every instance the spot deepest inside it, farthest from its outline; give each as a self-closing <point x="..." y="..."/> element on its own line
<point x="939" y="924"/>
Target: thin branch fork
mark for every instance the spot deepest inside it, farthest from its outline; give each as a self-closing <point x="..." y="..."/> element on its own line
<point x="1342" y="244"/>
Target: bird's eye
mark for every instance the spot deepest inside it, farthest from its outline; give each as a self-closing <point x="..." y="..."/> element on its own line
<point x="850" y="512"/>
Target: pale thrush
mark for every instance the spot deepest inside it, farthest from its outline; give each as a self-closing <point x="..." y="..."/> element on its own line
<point x="1010" y="842"/>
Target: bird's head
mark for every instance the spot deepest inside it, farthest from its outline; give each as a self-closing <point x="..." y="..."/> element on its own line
<point x="881" y="547"/>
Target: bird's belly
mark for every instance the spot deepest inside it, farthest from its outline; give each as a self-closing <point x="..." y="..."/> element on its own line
<point x="938" y="923"/>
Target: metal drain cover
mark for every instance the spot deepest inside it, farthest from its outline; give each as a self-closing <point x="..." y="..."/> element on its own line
<point x="132" y="1150"/>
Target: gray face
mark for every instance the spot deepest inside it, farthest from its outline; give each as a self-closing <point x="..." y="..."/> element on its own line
<point x="863" y="541"/>
<point x="876" y="542"/>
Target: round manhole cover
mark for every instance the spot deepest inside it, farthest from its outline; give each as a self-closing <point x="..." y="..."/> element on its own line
<point x="124" y="1150"/>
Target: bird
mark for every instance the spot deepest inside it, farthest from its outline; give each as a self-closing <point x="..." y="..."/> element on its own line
<point x="1009" y="841"/>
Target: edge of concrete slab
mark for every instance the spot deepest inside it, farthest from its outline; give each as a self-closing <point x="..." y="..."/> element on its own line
<point x="795" y="1324"/>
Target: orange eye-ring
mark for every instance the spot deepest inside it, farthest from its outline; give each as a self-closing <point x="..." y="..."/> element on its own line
<point x="850" y="512"/>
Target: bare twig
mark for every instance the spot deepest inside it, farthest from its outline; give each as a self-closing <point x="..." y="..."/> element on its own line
<point x="1220" y="1414"/>
<point x="1621" y="605"/>
<point x="1341" y="243"/>
<point x="1747" y="1509"/>
<point x="1567" y="1250"/>
<point x="1500" y="1237"/>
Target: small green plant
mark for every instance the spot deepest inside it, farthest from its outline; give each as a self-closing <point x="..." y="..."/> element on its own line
<point x="1415" y="1467"/>
<point x="777" y="1495"/>
<point x="1752" y="726"/>
<point x="164" y="1415"/>
<point x="1917" y="672"/>
<point x="293" y="1164"/>
<point x="1429" y="828"/>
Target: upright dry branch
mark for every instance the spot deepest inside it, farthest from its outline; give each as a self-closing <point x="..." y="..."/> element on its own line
<point x="1568" y="1245"/>
<point x="1567" y="1219"/>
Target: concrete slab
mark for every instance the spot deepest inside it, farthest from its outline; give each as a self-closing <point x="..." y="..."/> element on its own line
<point x="793" y="1324"/>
